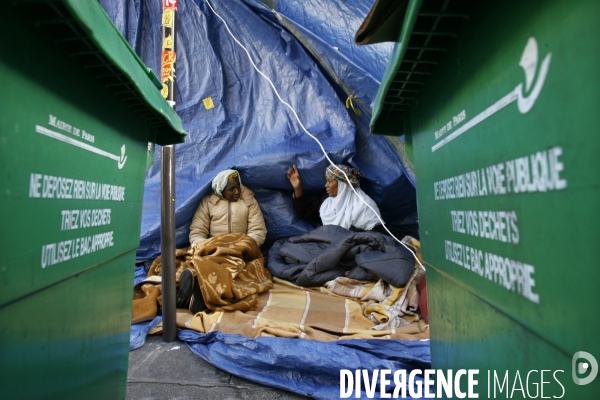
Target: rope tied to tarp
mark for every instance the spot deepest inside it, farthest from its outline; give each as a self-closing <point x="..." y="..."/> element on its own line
<point x="350" y="104"/>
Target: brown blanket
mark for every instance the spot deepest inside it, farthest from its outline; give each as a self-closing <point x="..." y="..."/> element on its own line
<point x="230" y="270"/>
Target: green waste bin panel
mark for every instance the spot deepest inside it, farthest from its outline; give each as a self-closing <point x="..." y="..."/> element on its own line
<point x="72" y="171"/>
<point x="467" y="333"/>
<point x="87" y="36"/>
<point x="506" y="155"/>
<point x="70" y="341"/>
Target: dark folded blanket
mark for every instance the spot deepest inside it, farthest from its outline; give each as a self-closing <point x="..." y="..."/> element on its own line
<point x="329" y="251"/>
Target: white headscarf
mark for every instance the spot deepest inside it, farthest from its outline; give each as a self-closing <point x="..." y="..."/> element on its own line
<point x="347" y="209"/>
<point x="220" y="181"/>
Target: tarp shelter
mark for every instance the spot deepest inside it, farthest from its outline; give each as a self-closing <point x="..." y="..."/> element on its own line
<point x="234" y="119"/>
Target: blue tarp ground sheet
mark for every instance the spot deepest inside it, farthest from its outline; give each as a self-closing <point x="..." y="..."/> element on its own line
<point x="307" y="367"/>
<point x="306" y="50"/>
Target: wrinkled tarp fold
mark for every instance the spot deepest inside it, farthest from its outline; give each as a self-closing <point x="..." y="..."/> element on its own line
<point x="306" y="367"/>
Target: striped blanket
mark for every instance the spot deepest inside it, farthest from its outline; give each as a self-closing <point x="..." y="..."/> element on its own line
<point x="292" y="311"/>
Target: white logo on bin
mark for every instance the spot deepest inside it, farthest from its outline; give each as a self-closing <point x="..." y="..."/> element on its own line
<point x="59" y="136"/>
<point x="581" y="368"/>
<point x="529" y="63"/>
<point x="123" y="158"/>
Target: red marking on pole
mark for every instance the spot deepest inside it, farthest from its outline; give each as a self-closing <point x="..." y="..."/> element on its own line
<point x="170" y="4"/>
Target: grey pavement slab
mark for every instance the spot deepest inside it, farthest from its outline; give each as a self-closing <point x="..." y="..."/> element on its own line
<point x="160" y="370"/>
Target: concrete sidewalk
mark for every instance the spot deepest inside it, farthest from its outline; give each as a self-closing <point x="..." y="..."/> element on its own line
<point x="160" y="370"/>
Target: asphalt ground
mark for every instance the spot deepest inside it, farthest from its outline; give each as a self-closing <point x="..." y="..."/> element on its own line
<point x="160" y="370"/>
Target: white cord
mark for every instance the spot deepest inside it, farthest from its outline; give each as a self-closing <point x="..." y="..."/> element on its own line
<point x="309" y="134"/>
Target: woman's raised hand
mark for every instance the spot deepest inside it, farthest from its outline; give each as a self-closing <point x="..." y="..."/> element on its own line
<point x="294" y="177"/>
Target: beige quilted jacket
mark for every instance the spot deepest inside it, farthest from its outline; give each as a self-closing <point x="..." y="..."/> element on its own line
<point x="215" y="215"/>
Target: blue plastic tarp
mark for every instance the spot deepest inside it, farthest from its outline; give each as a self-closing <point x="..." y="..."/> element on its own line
<point x="249" y="128"/>
<point x="307" y="367"/>
<point x="326" y="29"/>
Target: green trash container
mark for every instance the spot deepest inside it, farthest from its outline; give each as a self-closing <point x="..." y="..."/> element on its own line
<point x="77" y="114"/>
<point x="498" y="102"/>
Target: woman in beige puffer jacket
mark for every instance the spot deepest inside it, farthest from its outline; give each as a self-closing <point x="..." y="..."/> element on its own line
<point x="231" y="208"/>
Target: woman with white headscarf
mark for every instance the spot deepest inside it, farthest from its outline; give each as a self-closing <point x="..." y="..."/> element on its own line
<point x="341" y="205"/>
<point x="230" y="208"/>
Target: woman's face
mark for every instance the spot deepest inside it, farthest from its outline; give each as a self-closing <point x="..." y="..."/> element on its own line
<point x="232" y="191"/>
<point x="331" y="187"/>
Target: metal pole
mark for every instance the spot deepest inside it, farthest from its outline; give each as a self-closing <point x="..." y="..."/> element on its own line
<point x="167" y="243"/>
<point x="167" y="233"/>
